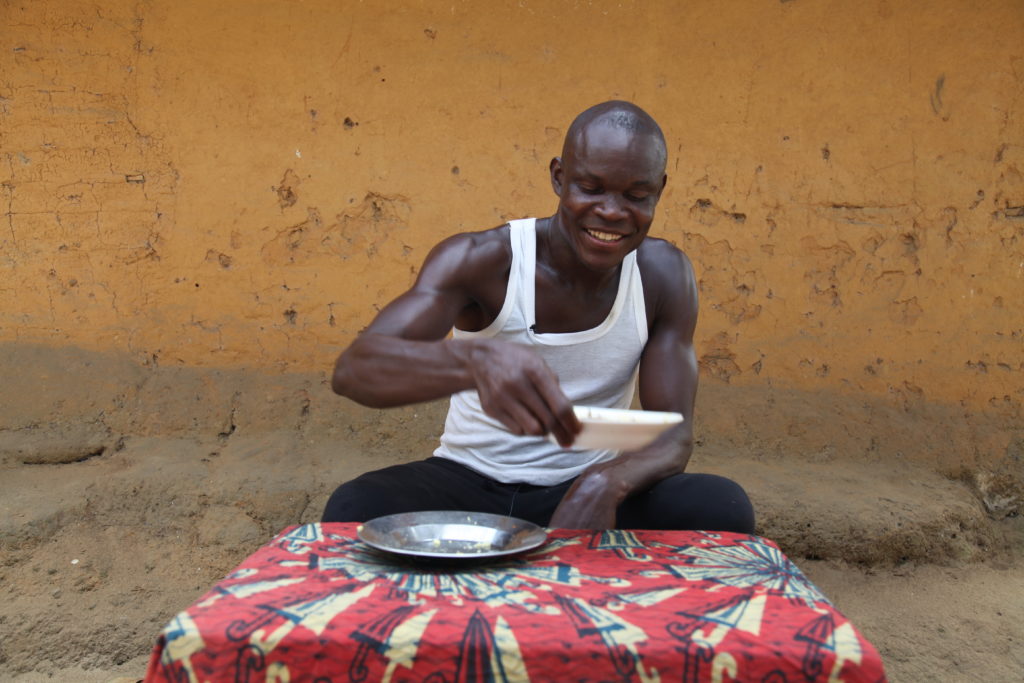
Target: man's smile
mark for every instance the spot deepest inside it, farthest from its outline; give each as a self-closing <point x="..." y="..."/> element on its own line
<point x="604" y="236"/>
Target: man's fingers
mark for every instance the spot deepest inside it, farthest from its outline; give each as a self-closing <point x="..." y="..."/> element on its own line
<point x="527" y="421"/>
<point x="517" y="419"/>
<point x="564" y="438"/>
<point x="544" y="419"/>
<point x="566" y="425"/>
<point x="505" y="419"/>
<point x="520" y="390"/>
<point x="526" y="402"/>
<point x="569" y="419"/>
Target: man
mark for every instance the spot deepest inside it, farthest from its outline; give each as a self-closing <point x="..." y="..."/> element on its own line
<point x="548" y="313"/>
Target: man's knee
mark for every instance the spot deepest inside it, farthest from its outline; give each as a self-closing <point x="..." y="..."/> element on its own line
<point x="705" y="502"/>
<point x="729" y="505"/>
<point x="408" y="487"/>
<point x="361" y="500"/>
<point x="348" y="503"/>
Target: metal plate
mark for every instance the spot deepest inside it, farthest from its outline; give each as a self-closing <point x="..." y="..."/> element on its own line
<point x="451" y="534"/>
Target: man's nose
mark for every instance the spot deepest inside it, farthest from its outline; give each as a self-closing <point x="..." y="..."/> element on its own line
<point x="610" y="208"/>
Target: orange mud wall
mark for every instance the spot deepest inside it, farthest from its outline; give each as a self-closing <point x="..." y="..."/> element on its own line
<point x="240" y="184"/>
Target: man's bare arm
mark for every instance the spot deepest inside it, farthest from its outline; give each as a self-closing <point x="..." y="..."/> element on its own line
<point x="405" y="357"/>
<point x="668" y="381"/>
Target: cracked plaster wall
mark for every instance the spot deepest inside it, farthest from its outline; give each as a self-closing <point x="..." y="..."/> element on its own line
<point x="240" y="185"/>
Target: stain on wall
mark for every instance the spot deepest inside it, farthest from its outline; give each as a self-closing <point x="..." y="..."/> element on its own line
<point x="229" y="185"/>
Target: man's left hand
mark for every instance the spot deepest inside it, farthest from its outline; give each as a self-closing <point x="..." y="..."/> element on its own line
<point x="591" y="502"/>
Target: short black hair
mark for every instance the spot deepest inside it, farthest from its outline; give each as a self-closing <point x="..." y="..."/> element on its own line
<point x="617" y="114"/>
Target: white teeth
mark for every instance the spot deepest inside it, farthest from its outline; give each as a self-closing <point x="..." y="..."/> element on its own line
<point x="604" y="236"/>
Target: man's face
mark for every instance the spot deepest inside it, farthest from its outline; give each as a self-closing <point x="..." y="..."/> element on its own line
<point x="608" y="182"/>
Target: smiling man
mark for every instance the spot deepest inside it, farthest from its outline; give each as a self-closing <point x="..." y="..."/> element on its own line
<point x="548" y="313"/>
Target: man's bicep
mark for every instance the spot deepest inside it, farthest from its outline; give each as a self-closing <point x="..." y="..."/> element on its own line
<point x="668" y="367"/>
<point x="422" y="314"/>
<point x="668" y="374"/>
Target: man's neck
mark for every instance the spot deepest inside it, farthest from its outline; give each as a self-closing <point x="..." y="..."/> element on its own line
<point x="558" y="257"/>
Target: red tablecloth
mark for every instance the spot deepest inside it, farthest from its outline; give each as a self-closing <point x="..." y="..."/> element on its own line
<point x="315" y="604"/>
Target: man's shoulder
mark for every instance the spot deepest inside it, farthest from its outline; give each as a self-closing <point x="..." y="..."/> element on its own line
<point x="662" y="259"/>
<point x="670" y="286"/>
<point x="472" y="254"/>
<point x="487" y="245"/>
<point x="487" y="238"/>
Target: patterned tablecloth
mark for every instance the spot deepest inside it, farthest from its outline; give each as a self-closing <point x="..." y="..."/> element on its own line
<point x="316" y="604"/>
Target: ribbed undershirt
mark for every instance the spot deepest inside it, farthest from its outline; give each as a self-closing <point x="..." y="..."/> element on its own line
<point x="596" y="367"/>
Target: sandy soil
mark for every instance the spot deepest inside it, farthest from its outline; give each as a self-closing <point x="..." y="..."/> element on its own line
<point x="142" y="532"/>
<point x="127" y="507"/>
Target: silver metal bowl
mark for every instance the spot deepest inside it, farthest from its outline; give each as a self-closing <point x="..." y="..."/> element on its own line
<point x="451" y="534"/>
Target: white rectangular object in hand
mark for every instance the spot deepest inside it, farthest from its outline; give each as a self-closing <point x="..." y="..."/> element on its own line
<point x="620" y="430"/>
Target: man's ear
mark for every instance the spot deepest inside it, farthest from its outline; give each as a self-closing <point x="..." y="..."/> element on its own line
<point x="556" y="175"/>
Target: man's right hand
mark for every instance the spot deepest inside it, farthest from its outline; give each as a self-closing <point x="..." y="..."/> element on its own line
<point x="518" y="389"/>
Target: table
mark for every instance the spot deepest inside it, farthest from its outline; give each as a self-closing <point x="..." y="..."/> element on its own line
<point x="316" y="604"/>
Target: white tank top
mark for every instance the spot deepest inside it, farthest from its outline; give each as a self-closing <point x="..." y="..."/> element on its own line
<point x="596" y="367"/>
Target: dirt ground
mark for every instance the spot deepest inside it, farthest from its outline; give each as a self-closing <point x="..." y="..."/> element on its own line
<point x="151" y="486"/>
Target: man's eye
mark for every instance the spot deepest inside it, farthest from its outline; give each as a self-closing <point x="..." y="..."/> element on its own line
<point x="636" y="197"/>
<point x="589" y="189"/>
